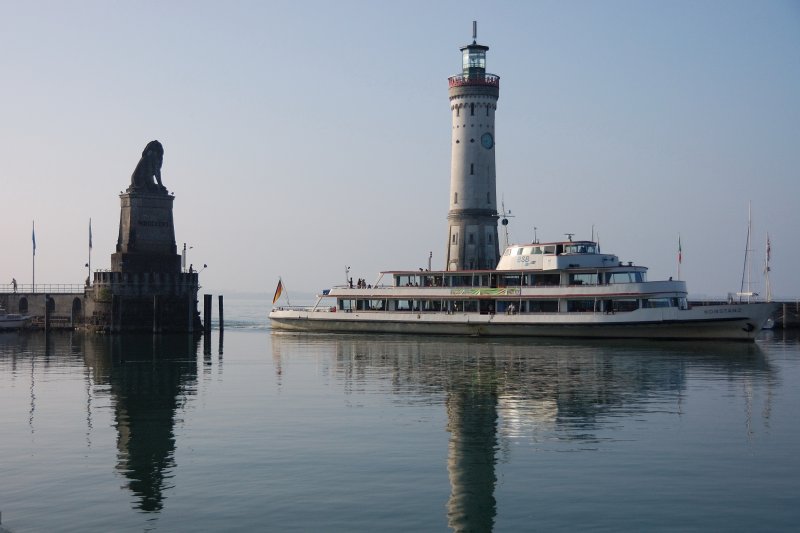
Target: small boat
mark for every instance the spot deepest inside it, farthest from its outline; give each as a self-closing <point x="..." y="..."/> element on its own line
<point x="553" y="289"/>
<point x="9" y="321"/>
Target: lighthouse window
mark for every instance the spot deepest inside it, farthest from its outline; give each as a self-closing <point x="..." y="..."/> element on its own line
<point x="488" y="198"/>
<point x="472" y="168"/>
<point x="471" y="238"/>
<point x="455" y="238"/>
<point x="458" y="111"/>
<point x="472" y="109"/>
<point x="455" y="197"/>
<point x="487" y="110"/>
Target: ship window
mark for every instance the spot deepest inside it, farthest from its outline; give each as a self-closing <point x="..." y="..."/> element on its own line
<point x="377" y="305"/>
<point x="652" y="303"/>
<point x="507" y="252"/>
<point x="582" y="279"/>
<point x="582" y="248"/>
<point x="623" y="306"/>
<point x="625" y="277"/>
<point x="580" y="306"/>
<point x="547" y="280"/>
<point x="519" y="251"/>
<point x="543" y="306"/>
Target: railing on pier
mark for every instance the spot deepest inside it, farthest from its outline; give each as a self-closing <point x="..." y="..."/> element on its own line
<point x="43" y="288"/>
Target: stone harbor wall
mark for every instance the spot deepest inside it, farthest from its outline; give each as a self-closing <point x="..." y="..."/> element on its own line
<point x="155" y="302"/>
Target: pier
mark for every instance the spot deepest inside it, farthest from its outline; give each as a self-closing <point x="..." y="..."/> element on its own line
<point x="54" y="306"/>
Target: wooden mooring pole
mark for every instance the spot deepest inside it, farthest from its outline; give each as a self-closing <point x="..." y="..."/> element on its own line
<point x="221" y="315"/>
<point x="46" y="313"/>
<point x="207" y="314"/>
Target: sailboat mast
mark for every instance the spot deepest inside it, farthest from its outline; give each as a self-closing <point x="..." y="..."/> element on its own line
<point x="745" y="267"/>
<point x="768" y="286"/>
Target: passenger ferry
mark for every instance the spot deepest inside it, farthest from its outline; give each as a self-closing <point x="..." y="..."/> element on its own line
<point x="554" y="289"/>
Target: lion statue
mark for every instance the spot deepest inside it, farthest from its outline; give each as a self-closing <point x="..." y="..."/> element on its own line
<point x="149" y="167"/>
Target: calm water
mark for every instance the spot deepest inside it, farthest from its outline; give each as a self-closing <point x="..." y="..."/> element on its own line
<point x="282" y="432"/>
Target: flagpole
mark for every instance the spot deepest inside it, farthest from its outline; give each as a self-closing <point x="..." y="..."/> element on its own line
<point x="33" y="260"/>
<point x="680" y="256"/>
<point x="90" y="252"/>
<point x="279" y="290"/>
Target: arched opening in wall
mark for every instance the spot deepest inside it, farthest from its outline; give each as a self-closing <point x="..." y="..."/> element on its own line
<point x="23" y="305"/>
<point x="76" y="307"/>
<point x="51" y="304"/>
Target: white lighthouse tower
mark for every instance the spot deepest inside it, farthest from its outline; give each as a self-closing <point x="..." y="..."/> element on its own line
<point x="472" y="219"/>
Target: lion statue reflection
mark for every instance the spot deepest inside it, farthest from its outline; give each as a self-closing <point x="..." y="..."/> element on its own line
<point x="149" y="167"/>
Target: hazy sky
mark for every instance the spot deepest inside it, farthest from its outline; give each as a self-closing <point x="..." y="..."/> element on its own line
<point x="301" y="137"/>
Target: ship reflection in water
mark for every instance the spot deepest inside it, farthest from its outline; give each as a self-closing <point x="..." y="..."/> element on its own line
<point x="489" y="417"/>
<point x="149" y="379"/>
<point x="560" y="394"/>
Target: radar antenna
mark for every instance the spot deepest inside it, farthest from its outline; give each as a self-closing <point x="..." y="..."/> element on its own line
<point x="474" y="30"/>
<point x="504" y="221"/>
<point x="569" y="236"/>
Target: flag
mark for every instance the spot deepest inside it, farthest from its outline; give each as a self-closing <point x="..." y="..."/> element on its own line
<point x="769" y="249"/>
<point x="278" y="291"/>
<point x="90" y="233"/>
<point x="680" y="251"/>
<point x="33" y="236"/>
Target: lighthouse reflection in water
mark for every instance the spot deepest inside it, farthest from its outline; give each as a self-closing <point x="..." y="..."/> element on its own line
<point x="397" y="433"/>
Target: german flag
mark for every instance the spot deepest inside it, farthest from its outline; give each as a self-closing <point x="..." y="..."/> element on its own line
<point x="278" y="291"/>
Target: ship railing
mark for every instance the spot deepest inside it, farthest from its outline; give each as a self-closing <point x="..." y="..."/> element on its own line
<point x="306" y="308"/>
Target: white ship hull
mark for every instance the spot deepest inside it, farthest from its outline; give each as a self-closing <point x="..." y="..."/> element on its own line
<point x="718" y="322"/>
<point x="11" y="323"/>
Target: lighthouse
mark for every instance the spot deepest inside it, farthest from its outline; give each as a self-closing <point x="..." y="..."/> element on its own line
<point x="472" y="218"/>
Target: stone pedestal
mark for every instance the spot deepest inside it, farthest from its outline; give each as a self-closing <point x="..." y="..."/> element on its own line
<point x="146" y="240"/>
<point x="145" y="289"/>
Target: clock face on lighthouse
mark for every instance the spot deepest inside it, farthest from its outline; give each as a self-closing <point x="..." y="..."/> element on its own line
<point x="487" y="141"/>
